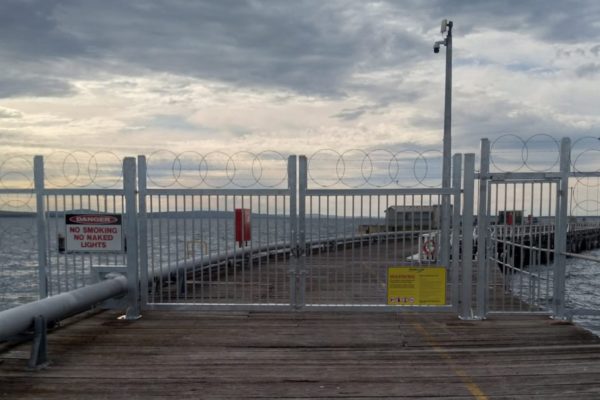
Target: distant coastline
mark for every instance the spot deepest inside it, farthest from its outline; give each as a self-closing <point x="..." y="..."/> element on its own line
<point x="16" y="214"/>
<point x="164" y="214"/>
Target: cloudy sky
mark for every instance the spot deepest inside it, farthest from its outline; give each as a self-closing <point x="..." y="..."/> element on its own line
<point x="292" y="76"/>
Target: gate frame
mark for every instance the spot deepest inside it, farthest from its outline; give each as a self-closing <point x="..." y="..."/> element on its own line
<point x="560" y="236"/>
<point x="460" y="291"/>
<point x="130" y="229"/>
<point x="290" y="191"/>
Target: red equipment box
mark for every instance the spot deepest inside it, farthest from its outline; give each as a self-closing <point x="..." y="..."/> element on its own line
<point x="242" y="226"/>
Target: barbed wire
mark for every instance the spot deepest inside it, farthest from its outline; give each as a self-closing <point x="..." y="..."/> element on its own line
<point x="80" y="168"/>
<point x="375" y="168"/>
<point x="512" y="153"/>
<point x="352" y="168"/>
<point x="541" y="153"/>
<point x="243" y="169"/>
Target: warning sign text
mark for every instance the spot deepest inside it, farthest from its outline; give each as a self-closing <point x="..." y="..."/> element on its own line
<point x="93" y="232"/>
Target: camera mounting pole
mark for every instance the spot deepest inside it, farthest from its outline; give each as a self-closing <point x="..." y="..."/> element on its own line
<point x="446" y="27"/>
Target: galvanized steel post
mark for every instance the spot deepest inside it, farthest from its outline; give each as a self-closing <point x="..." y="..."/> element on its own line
<point x="456" y="175"/>
<point x="131" y="233"/>
<point x="143" y="229"/>
<point x="38" y="176"/>
<point x="447" y="145"/>
<point x="560" y="234"/>
<point x="482" y="232"/>
<point x="302" y="187"/>
<point x="467" y="237"/>
<point x="292" y="187"/>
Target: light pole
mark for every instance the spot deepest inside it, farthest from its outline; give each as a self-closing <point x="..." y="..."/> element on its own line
<point x="447" y="144"/>
<point x="447" y="152"/>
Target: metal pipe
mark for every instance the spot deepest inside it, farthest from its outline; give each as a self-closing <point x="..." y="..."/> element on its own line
<point x="16" y="320"/>
<point x="580" y="256"/>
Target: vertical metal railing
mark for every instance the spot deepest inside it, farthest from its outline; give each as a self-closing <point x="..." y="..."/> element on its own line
<point x="354" y="235"/>
<point x="523" y="226"/>
<point x="38" y="174"/>
<point x="61" y="270"/>
<point x="483" y="241"/>
<point x="142" y="187"/>
<point x="456" y="233"/>
<point x="467" y="237"/>
<point x="300" y="254"/>
<point x="560" y="235"/>
<point x="131" y="233"/>
<point x="303" y="232"/>
<point x="192" y="257"/>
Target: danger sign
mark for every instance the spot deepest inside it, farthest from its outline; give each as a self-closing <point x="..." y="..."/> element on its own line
<point x="87" y="233"/>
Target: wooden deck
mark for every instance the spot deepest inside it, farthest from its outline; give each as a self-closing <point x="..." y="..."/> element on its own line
<point x="168" y="354"/>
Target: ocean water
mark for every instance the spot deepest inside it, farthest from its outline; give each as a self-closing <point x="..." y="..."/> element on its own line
<point x="583" y="289"/>
<point x="18" y="257"/>
<point x="168" y="240"/>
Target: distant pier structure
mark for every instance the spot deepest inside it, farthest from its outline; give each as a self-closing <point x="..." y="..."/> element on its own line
<point x="521" y="245"/>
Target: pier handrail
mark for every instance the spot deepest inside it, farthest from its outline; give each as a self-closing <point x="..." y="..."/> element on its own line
<point x="252" y="253"/>
<point x="55" y="308"/>
<point x="581" y="256"/>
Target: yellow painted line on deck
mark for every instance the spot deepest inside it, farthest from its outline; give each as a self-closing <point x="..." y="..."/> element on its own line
<point x="464" y="377"/>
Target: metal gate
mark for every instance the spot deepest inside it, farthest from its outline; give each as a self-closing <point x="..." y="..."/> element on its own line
<point x="309" y="248"/>
<point x="311" y="245"/>
<point x="60" y="193"/>
<point x="350" y="237"/>
<point x="522" y="223"/>
<point x="190" y="255"/>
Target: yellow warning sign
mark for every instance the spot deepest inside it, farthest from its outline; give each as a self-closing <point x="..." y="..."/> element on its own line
<point x="424" y="285"/>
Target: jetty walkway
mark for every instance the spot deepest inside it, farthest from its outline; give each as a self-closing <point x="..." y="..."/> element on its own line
<point x="185" y="354"/>
<point x="306" y="354"/>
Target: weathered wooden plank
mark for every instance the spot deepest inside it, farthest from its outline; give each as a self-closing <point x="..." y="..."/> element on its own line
<point x="309" y="355"/>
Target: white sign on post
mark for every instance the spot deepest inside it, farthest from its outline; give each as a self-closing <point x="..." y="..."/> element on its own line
<point x="86" y="233"/>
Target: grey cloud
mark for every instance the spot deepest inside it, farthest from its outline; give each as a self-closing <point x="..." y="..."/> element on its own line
<point x="9" y="113"/>
<point x="6" y="135"/>
<point x="30" y="31"/>
<point x="567" y="21"/>
<point x="173" y="122"/>
<point x="351" y="114"/>
<point x="11" y="86"/>
<point x="385" y="96"/>
<point x="588" y="70"/>
<point x="477" y="115"/>
<point x="305" y="46"/>
<point x="497" y="119"/>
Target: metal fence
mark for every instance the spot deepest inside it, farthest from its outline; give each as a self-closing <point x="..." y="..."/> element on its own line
<point x="310" y="248"/>
<point x="190" y="254"/>
<point x="350" y="237"/>
<point x="324" y="229"/>
<point x="59" y="270"/>
<point x="525" y="223"/>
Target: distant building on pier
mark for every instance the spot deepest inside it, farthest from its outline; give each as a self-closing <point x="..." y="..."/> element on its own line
<point x="401" y="218"/>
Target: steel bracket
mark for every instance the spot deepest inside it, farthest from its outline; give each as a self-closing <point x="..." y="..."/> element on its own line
<point x="39" y="349"/>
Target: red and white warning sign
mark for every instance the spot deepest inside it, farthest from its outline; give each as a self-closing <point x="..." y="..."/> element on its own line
<point x="93" y="232"/>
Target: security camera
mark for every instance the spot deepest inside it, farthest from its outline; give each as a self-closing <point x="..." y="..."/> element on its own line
<point x="444" y="25"/>
<point x="436" y="47"/>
